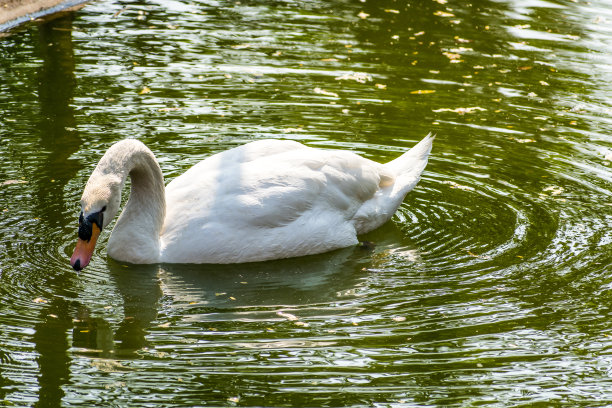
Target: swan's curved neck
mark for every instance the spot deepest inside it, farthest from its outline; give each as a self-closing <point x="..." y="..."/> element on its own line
<point x="135" y="237"/>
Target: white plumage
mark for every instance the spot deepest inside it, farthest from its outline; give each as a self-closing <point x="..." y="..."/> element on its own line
<point x="264" y="200"/>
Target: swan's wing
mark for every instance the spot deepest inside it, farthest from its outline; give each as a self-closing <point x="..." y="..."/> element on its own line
<point x="289" y="196"/>
<point x="304" y="185"/>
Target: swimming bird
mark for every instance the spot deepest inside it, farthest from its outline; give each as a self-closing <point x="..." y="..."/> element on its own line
<point x="268" y="199"/>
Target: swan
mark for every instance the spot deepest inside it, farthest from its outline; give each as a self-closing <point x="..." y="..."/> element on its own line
<point x="268" y="199"/>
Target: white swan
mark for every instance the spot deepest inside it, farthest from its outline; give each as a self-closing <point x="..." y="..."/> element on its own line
<point x="268" y="199"/>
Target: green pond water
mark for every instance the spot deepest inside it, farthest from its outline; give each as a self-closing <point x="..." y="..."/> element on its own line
<point x="492" y="285"/>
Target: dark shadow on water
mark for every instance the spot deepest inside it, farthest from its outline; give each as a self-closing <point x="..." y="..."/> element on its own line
<point x="294" y="281"/>
<point x="212" y="288"/>
<point x="288" y="282"/>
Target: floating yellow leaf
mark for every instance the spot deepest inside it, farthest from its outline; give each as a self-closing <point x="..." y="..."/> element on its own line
<point x="392" y="11"/>
<point x="145" y="90"/>
<point x="443" y="14"/>
<point x="363" y="15"/>
<point x="381" y="86"/>
<point x="39" y="300"/>
<point x="422" y="91"/>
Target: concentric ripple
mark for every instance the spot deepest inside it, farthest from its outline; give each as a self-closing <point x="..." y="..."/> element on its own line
<point x="491" y="285"/>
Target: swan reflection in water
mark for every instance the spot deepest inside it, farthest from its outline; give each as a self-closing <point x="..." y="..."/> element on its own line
<point x="161" y="296"/>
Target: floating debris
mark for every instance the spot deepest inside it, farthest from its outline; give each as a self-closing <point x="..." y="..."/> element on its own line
<point x="320" y="91"/>
<point x="241" y="46"/>
<point x="108" y="366"/>
<point x="452" y="184"/>
<point x="293" y="130"/>
<point x="553" y="190"/>
<point x="522" y="140"/>
<point x="422" y="91"/>
<point x="9" y="182"/>
<point x="287" y="316"/>
<point x="461" y="111"/>
<point x="360" y="77"/>
<point x="453" y="57"/>
<point x="470" y="253"/>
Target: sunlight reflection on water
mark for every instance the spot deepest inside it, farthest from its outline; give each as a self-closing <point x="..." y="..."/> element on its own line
<point x="490" y="286"/>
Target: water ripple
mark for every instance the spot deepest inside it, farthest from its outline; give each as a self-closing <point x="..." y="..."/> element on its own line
<point x="490" y="286"/>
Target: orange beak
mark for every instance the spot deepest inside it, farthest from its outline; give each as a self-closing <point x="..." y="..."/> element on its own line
<point x="84" y="249"/>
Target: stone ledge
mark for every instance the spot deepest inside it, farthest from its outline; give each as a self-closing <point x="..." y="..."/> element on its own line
<point x="15" y="12"/>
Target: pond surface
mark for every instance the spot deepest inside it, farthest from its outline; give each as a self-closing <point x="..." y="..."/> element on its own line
<point x="491" y="286"/>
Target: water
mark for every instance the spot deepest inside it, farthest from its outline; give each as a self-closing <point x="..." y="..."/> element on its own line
<point x="491" y="286"/>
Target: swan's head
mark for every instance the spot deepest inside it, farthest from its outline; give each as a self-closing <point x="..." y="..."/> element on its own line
<point x="99" y="204"/>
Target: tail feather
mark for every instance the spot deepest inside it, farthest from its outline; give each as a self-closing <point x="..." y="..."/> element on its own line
<point x="407" y="170"/>
<point x="413" y="157"/>
<point x="409" y="166"/>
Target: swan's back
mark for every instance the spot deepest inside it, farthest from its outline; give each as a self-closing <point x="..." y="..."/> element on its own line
<point x="274" y="199"/>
